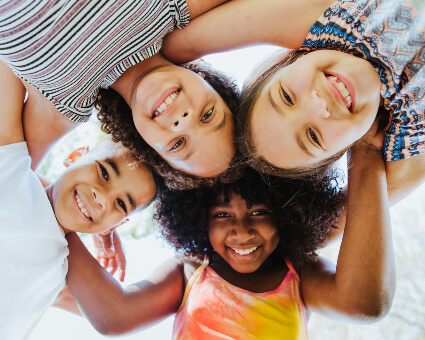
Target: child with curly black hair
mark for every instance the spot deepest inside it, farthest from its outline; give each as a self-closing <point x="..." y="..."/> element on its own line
<point x="253" y="235"/>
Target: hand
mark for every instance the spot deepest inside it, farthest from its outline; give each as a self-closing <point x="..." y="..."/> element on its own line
<point x="374" y="138"/>
<point x="110" y="254"/>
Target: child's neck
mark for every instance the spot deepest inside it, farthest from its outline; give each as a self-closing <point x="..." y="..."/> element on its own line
<point x="266" y="278"/>
<point x="49" y="193"/>
<point x="125" y="83"/>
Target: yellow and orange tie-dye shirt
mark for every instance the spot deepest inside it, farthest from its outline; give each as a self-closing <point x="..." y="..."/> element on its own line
<point x="212" y="308"/>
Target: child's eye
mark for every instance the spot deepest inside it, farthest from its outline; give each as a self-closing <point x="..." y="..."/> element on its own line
<point x="286" y="97"/>
<point x="314" y="137"/>
<point x="177" y="144"/>
<point x="104" y="172"/>
<point x="122" y="204"/>
<point x="260" y="212"/>
<point x="207" y="115"/>
<point x="221" y="215"/>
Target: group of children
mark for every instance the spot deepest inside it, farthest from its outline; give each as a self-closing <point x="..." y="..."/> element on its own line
<point x="246" y="264"/>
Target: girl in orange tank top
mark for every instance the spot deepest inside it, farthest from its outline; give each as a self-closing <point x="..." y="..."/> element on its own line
<point x="259" y="275"/>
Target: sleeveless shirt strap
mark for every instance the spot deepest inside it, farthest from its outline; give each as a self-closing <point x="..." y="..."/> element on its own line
<point x="290" y="267"/>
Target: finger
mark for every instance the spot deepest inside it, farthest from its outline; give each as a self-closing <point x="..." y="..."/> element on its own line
<point x="108" y="244"/>
<point x="112" y="268"/>
<point x="120" y="258"/>
<point x="121" y="275"/>
<point x="104" y="262"/>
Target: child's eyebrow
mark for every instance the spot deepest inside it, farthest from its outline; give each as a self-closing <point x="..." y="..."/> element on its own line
<point x="220" y="204"/>
<point x="113" y="165"/>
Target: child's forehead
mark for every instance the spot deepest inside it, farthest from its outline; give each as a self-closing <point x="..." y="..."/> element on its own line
<point x="231" y="198"/>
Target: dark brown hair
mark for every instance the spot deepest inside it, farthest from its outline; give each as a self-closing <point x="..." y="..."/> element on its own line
<point x="116" y="119"/>
<point x="250" y="92"/>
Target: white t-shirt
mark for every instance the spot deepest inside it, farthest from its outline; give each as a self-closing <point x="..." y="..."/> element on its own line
<point x="33" y="249"/>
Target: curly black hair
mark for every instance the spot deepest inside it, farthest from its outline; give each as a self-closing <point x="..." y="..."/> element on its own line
<point x="304" y="212"/>
<point x="116" y="119"/>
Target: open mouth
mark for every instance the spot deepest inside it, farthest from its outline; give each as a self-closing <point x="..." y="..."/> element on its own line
<point x="166" y="103"/>
<point x="244" y="252"/>
<point x="82" y="207"/>
<point x="343" y="90"/>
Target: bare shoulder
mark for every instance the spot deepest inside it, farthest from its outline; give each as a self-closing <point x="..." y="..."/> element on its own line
<point x="12" y="95"/>
<point x="189" y="265"/>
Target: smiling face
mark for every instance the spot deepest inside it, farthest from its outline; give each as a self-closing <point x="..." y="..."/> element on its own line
<point x="314" y="108"/>
<point x="185" y="120"/>
<point x="98" y="191"/>
<point x="244" y="238"/>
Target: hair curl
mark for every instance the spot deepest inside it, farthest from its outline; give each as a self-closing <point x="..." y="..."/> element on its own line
<point x="304" y="212"/>
<point x="249" y="95"/>
<point x="116" y="119"/>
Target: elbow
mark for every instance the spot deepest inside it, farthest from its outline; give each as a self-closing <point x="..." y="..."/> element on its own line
<point x="108" y="327"/>
<point x="373" y="309"/>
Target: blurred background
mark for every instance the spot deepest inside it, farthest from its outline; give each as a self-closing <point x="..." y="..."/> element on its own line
<point x="145" y="250"/>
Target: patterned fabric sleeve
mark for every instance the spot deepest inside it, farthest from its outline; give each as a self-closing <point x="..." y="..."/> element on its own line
<point x="390" y="34"/>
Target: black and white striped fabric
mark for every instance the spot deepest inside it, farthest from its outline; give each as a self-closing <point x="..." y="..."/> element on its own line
<point x="67" y="49"/>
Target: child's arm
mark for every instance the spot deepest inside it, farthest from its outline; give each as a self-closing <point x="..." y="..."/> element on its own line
<point x="404" y="176"/>
<point x="43" y="124"/>
<point x="112" y="309"/>
<point x="362" y="286"/>
<point x="241" y="23"/>
<point x="12" y="95"/>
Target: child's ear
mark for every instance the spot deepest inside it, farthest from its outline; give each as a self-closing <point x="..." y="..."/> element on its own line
<point x="74" y="155"/>
<point x="115" y="227"/>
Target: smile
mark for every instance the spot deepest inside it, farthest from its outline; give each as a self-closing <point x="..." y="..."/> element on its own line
<point x="82" y="207"/>
<point x="244" y="251"/>
<point x="345" y="95"/>
<point x="344" y="88"/>
<point x="166" y="103"/>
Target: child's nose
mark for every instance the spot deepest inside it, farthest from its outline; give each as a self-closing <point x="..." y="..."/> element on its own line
<point x="99" y="198"/>
<point x="318" y="105"/>
<point x="242" y="232"/>
<point x="181" y="121"/>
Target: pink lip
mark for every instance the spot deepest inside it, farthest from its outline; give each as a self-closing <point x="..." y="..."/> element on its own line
<point x="160" y="100"/>
<point x="349" y="87"/>
<point x="79" y="212"/>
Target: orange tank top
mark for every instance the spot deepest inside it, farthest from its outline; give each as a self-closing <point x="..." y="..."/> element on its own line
<point x="212" y="308"/>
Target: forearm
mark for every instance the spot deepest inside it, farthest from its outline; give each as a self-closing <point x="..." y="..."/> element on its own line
<point x="404" y="176"/>
<point x="199" y="7"/>
<point x="96" y="292"/>
<point x="43" y="124"/>
<point x="112" y="309"/>
<point x="241" y="23"/>
<point x="365" y="267"/>
<point x="362" y="286"/>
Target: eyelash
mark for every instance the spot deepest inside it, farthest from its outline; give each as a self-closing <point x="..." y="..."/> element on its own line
<point x="105" y="176"/>
<point x="122" y="204"/>
<point x="314" y="137"/>
<point x="261" y="212"/>
<point x="104" y="172"/>
<point x="177" y="144"/>
<point x="221" y="215"/>
<point x="287" y="97"/>
<point x="212" y="114"/>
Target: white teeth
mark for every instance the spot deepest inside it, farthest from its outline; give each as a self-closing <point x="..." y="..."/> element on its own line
<point x="342" y="90"/>
<point x="244" y="251"/>
<point x="81" y="206"/>
<point x="165" y="103"/>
